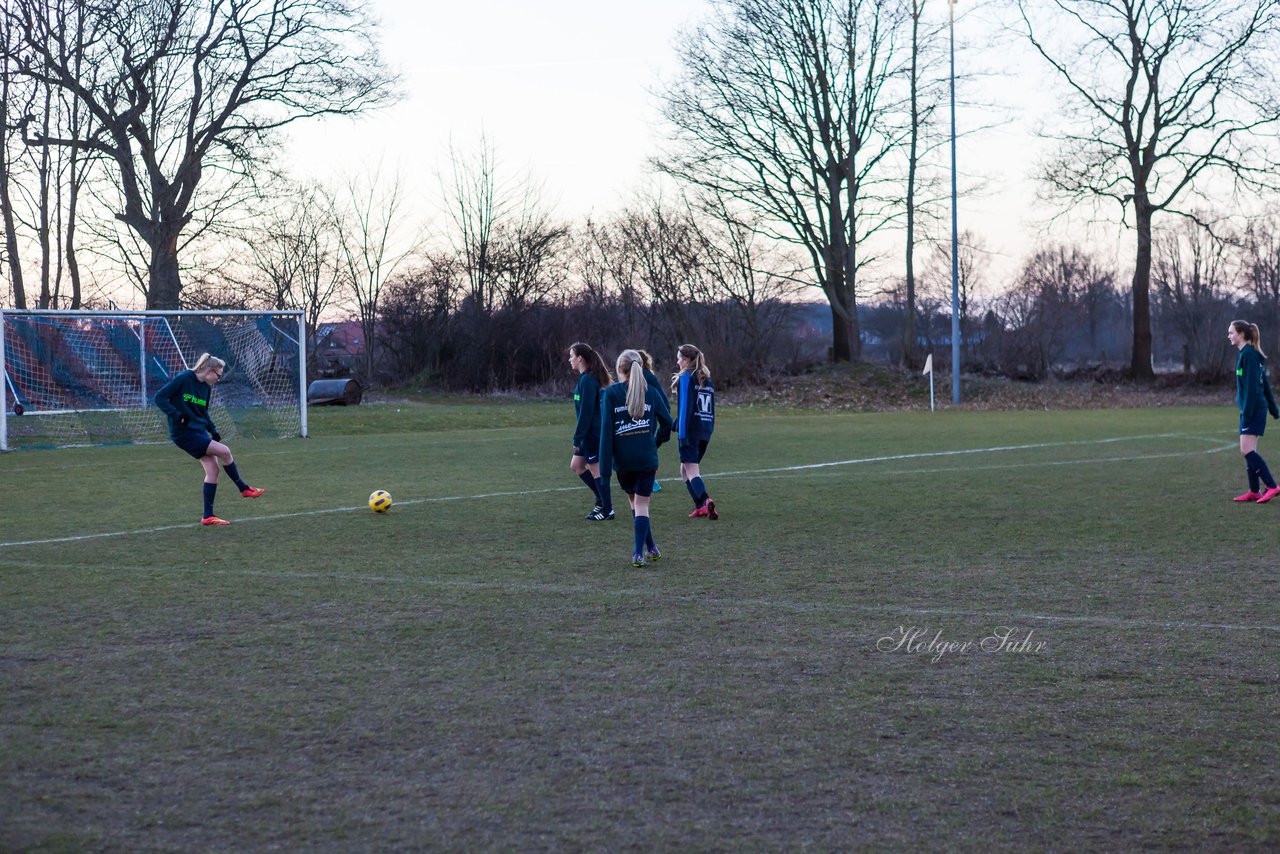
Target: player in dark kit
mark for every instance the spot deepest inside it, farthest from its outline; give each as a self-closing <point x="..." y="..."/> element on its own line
<point x="695" y="421"/>
<point x="593" y="378"/>
<point x="185" y="400"/>
<point x="1255" y="400"/>
<point x="632" y="419"/>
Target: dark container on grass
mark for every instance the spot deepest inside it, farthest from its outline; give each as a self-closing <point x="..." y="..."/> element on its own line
<point x="334" y="393"/>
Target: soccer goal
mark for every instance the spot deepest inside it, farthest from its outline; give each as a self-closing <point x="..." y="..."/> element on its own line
<point x="88" y="377"/>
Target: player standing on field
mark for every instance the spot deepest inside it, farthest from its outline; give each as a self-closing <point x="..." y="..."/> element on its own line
<point x="695" y="420"/>
<point x="1255" y="400"/>
<point x="593" y="378"/>
<point x="185" y="400"/>
<point x="632" y="415"/>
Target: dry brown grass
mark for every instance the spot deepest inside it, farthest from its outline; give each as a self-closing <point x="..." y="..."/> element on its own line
<point x="876" y="388"/>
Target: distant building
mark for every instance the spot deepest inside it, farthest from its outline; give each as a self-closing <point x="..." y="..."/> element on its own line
<point x="338" y="348"/>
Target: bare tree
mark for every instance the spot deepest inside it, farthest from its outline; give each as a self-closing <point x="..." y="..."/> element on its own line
<point x="1165" y="96"/>
<point x="787" y="105"/>
<point x="1189" y="272"/>
<point x="756" y="277"/>
<point x="374" y="243"/>
<point x="611" y="273"/>
<point x="8" y="93"/>
<point x="665" y="248"/>
<point x="40" y="184"/>
<point x="294" y="258"/>
<point x="924" y="97"/>
<point x="971" y="269"/>
<point x="476" y="204"/>
<point x="512" y="249"/>
<point x="179" y="88"/>
<point x="1258" y="258"/>
<point x="415" y="328"/>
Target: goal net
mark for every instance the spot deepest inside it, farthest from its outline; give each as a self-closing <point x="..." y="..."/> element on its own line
<point x="81" y="377"/>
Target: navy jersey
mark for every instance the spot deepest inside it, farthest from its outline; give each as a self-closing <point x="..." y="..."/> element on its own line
<point x="185" y="396"/>
<point x="696" y="409"/>
<point x="626" y="443"/>
<point x="586" y="405"/>
<point x="1253" y="391"/>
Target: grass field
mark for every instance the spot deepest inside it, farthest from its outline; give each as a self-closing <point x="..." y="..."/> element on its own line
<point x="965" y="630"/>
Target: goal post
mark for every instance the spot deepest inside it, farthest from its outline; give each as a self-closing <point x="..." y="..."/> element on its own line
<point x="88" y="377"/>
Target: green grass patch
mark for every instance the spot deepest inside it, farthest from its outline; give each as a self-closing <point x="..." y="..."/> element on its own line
<point x="963" y="629"/>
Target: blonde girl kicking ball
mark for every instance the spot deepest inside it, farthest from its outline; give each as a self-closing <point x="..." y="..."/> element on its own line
<point x="185" y="400"/>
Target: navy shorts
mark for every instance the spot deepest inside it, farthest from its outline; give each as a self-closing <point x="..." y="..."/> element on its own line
<point x="692" y="453"/>
<point x="1253" y="426"/>
<point x="194" y="442"/>
<point x="637" y="482"/>
<point x="590" y="451"/>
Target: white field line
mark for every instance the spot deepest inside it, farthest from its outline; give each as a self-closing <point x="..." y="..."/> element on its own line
<point x="924" y="455"/>
<point x="966" y="469"/>
<point x="744" y="473"/>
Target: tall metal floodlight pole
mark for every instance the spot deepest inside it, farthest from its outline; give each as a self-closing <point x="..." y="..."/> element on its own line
<point x="955" y="232"/>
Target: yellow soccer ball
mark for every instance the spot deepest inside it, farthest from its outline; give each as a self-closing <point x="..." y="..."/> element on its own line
<point x="380" y="501"/>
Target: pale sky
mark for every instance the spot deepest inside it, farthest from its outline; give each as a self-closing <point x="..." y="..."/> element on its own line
<point x="562" y="88"/>
<point x="558" y="87"/>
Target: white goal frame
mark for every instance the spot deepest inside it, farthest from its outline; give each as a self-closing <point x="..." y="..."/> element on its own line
<point x="139" y="400"/>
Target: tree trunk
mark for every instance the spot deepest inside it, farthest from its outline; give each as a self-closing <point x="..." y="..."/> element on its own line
<point x="913" y="158"/>
<point x="841" y="336"/>
<point x="839" y="272"/>
<point x="843" y="316"/>
<point x="11" y="238"/>
<point x="1140" y="366"/>
<point x="73" y="204"/>
<point x="850" y="294"/>
<point x="44" y="177"/>
<point x="165" y="288"/>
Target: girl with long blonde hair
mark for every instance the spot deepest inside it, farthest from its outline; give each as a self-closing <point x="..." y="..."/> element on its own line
<point x="633" y="418"/>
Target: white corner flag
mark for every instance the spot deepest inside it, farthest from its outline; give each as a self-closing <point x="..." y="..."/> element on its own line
<point x="928" y="369"/>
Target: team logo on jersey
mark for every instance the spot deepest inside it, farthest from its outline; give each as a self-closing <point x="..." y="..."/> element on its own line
<point x="632" y="425"/>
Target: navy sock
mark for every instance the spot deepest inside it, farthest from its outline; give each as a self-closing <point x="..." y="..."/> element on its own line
<point x="209" y="490"/>
<point x="693" y="491"/>
<point x="648" y="538"/>
<point x="234" y="474"/>
<point x="1253" y="474"/>
<point x="591" y="484"/>
<point x="699" y="491"/>
<point x="641" y="527"/>
<point x="605" y="494"/>
<point x="1260" y="466"/>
